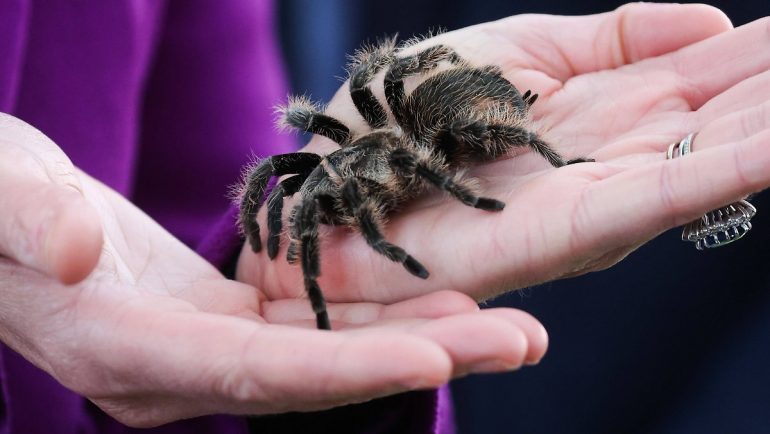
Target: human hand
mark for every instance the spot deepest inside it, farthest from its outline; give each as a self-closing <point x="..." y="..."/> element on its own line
<point x="154" y="333"/>
<point x="615" y="87"/>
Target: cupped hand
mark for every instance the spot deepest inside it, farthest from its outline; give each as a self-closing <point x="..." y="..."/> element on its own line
<point x="107" y="302"/>
<point x="617" y="87"/>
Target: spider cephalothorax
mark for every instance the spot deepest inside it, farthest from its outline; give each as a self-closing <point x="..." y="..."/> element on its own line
<point x="456" y="116"/>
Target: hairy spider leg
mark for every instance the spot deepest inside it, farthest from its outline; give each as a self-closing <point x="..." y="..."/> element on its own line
<point x="362" y="73"/>
<point x="256" y="182"/>
<point x="304" y="116"/>
<point x="364" y="210"/>
<point x="502" y="134"/>
<point x="325" y="203"/>
<point x="306" y="221"/>
<point x="494" y="139"/>
<point x="284" y="189"/>
<point x="406" y="162"/>
<point x="292" y="252"/>
<point x="404" y="67"/>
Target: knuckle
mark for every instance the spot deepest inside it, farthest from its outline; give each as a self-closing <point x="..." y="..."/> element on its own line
<point x="234" y="387"/>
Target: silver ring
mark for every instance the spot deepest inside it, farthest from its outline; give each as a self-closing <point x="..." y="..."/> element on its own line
<point x="681" y="148"/>
<point x="717" y="227"/>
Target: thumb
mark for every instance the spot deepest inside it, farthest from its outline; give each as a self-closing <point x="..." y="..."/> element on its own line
<point x="45" y="222"/>
<point x="652" y="29"/>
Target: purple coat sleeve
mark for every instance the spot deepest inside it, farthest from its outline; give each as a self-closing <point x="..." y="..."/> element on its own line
<point x="164" y="102"/>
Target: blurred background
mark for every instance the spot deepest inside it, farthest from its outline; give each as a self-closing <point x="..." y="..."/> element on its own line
<point x="671" y="340"/>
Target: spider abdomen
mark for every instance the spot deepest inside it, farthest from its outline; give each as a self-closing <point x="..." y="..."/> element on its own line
<point x="450" y="111"/>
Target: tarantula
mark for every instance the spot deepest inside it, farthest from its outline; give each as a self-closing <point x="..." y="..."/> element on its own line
<point x="456" y="116"/>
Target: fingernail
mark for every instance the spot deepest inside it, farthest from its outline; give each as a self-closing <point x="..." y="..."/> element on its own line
<point x="491" y="366"/>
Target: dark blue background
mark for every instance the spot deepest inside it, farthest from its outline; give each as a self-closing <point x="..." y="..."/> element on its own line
<point x="671" y="340"/>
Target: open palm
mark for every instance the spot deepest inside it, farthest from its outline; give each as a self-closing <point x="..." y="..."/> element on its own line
<point x="151" y="332"/>
<point x="615" y="87"/>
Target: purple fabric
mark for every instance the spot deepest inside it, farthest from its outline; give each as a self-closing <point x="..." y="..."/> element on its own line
<point x="165" y="102"/>
<point x="444" y="411"/>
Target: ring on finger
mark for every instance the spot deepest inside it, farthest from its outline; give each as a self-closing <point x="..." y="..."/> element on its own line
<point x="717" y="227"/>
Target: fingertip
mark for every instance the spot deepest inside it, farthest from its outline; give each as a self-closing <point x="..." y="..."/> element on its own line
<point x="652" y="29"/>
<point x="74" y="242"/>
<point x="538" y="344"/>
<point x="534" y="331"/>
<point x="537" y="336"/>
<point x="714" y="18"/>
<point x="511" y="353"/>
<point x="518" y="347"/>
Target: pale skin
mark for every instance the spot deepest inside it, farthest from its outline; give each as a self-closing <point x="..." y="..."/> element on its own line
<point x="102" y="298"/>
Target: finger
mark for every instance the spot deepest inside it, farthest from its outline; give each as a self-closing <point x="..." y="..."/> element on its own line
<point x="452" y="332"/>
<point x="750" y="92"/>
<point x="47" y="226"/>
<point x="734" y="126"/>
<point x="491" y="340"/>
<point x="564" y="47"/>
<point x="433" y="305"/>
<point x="736" y="114"/>
<point x="710" y="67"/>
<point x="480" y="342"/>
<point x="235" y="366"/>
<point x="537" y="336"/>
<point x="671" y="193"/>
<point x="45" y="222"/>
<point x="652" y="147"/>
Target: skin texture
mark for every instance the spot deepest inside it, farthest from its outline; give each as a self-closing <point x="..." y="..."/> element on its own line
<point x="147" y="329"/>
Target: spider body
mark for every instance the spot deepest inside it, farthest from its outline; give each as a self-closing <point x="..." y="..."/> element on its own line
<point x="453" y="118"/>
